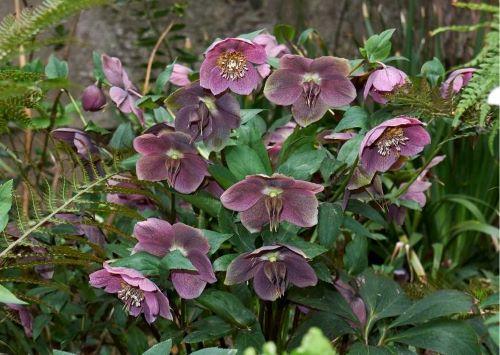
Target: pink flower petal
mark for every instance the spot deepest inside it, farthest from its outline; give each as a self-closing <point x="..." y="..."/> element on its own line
<point x="190" y="239"/>
<point x="155" y="236"/>
<point x="283" y="87"/>
<point x="152" y="167"/>
<point x="255" y="217"/>
<point x="248" y="83"/>
<point x="300" y="208"/>
<point x="150" y="144"/>
<point x="187" y="284"/>
<point x="244" y="194"/>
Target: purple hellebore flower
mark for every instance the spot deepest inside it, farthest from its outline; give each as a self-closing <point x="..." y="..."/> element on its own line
<point x="273" y="268"/>
<point x="231" y="63"/>
<point x="312" y="86"/>
<point x="22" y="315"/>
<point x="275" y="139"/>
<point x="384" y="81"/>
<point x="180" y="75"/>
<point x="79" y="141"/>
<point x="415" y="192"/>
<point x="204" y="116"/>
<point x="273" y="50"/>
<point x="354" y="301"/>
<point x="93" y="99"/>
<point x="398" y="137"/>
<point x="134" y="200"/>
<point x="362" y="186"/>
<point x="123" y="93"/>
<point x="456" y="81"/>
<point x="265" y="199"/>
<point x="93" y="233"/>
<point x="138" y="293"/>
<point x="330" y="136"/>
<point x="170" y="156"/>
<point x="159" y="238"/>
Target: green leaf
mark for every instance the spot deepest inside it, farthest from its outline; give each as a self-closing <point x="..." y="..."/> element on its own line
<point x="207" y="329"/>
<point x="443" y="336"/>
<point x="175" y="260"/>
<point x="378" y="47"/>
<point x="39" y="323"/>
<point x="227" y="306"/>
<point x="362" y="349"/>
<point x="356" y="255"/>
<point x="312" y="250"/>
<point x="302" y="139"/>
<point x="330" y="218"/>
<point x="215" y="239"/>
<point x="492" y="300"/>
<point x="143" y="262"/>
<point x="160" y="349"/>
<point x="247" y="114"/>
<point x="250" y="36"/>
<point x="314" y="343"/>
<point x="284" y="33"/>
<point x="439" y="304"/>
<point x="56" y="69"/>
<point x="61" y="352"/>
<point x="356" y="227"/>
<point x="243" y="160"/>
<point x="5" y="203"/>
<point x="203" y="200"/>
<point x="163" y="78"/>
<point x="433" y="70"/>
<point x="215" y="351"/>
<point x="93" y="127"/>
<point x="222" y="263"/>
<point x="8" y="297"/>
<point x="475" y="226"/>
<point x="222" y="175"/>
<point x="305" y="35"/>
<point x="367" y="211"/>
<point x="246" y="338"/>
<point x="349" y="150"/>
<point x="302" y="165"/>
<point x="123" y="137"/>
<point x="97" y="61"/>
<point x="354" y="117"/>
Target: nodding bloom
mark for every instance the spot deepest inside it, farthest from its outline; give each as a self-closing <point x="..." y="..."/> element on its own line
<point x="362" y="186"/>
<point x="275" y="139"/>
<point x="265" y="199"/>
<point x="415" y="192"/>
<point x="180" y="75"/>
<point x="231" y="63"/>
<point x="456" y="81"/>
<point x="398" y="137"/>
<point x="354" y="301"/>
<point x="384" y="81"/>
<point x="159" y="238"/>
<point x="93" y="99"/>
<point x="22" y="315"/>
<point x="273" y="268"/>
<point x="332" y="137"/>
<point x="93" y="233"/>
<point x="138" y="293"/>
<point x="79" y="141"/>
<point x="204" y="116"/>
<point x="311" y="86"/>
<point x="135" y="200"/>
<point x="123" y="93"/>
<point x="272" y="48"/>
<point x="170" y="156"/>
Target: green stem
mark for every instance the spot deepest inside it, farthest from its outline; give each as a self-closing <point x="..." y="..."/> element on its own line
<point x="77" y="108"/>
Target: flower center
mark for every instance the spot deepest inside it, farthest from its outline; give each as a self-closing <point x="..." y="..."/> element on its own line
<point x="274" y="205"/>
<point x="276" y="274"/>
<point x="310" y="90"/>
<point x="174" y="154"/>
<point x="173" y="165"/>
<point x="311" y="78"/>
<point x="130" y="296"/>
<point x="232" y="65"/>
<point x="208" y="102"/>
<point x="179" y="248"/>
<point x="392" y="137"/>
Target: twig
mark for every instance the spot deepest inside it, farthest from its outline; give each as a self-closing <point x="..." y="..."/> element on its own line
<point x="152" y="56"/>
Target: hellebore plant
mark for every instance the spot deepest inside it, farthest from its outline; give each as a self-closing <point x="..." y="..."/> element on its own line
<point x="384" y="81"/>
<point x="456" y="81"/>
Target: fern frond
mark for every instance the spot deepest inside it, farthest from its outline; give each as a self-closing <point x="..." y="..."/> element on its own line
<point x="477" y="6"/>
<point x="15" y="32"/>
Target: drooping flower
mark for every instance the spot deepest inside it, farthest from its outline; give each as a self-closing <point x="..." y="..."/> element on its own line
<point x="93" y="233"/>
<point x="231" y="63"/>
<point x="398" y="137"/>
<point x="180" y="75"/>
<point x="123" y="93"/>
<point x="134" y="200"/>
<point x="204" y="116"/>
<point x="265" y="199"/>
<point x="93" y="99"/>
<point x="415" y="192"/>
<point x="354" y="301"/>
<point x="170" y="156"/>
<point x="311" y="86"/>
<point x="275" y="139"/>
<point x="159" y="238"/>
<point x="330" y="137"/>
<point x="272" y="268"/>
<point x="362" y="186"/>
<point x="22" y="315"/>
<point x="456" y="81"/>
<point x="138" y="293"/>
<point x="384" y="81"/>
<point x="273" y="50"/>
<point x="79" y="141"/>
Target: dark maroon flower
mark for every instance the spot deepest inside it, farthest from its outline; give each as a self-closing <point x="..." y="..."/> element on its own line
<point x="384" y="81"/>
<point x="311" y="86"/>
<point x="159" y="238"/>
<point x="273" y="268"/>
<point x="415" y="192"/>
<point x="354" y="301"/>
<point x="456" y="81"/>
<point x="204" y="116"/>
<point x="138" y="293"/>
<point x="170" y="156"/>
<point x="265" y="199"/>
<point x="22" y="315"/>
<point x="134" y="200"/>
<point x="93" y="233"/>
<point x="123" y="93"/>
<point x="398" y="137"/>
<point x="79" y="141"/>
<point x="231" y="63"/>
<point x="93" y="99"/>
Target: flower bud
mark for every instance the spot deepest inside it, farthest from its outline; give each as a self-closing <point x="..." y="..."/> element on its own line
<point x="93" y="99"/>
